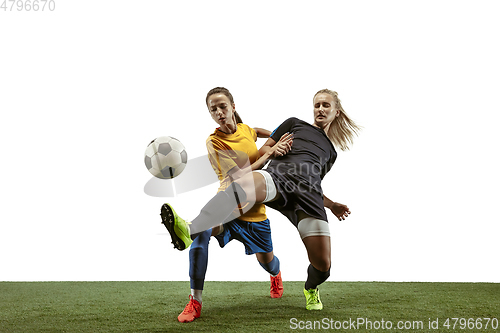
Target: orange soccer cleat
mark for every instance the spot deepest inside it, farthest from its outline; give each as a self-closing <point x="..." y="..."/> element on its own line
<point x="276" y="286"/>
<point x="191" y="311"/>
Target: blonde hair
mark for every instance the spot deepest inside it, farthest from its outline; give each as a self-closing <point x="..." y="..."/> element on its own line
<point x="342" y="129"/>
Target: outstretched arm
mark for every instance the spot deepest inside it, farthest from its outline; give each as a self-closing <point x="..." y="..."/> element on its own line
<point x="262" y="133"/>
<point x="339" y="210"/>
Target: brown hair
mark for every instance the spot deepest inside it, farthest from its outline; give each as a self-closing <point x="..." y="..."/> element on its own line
<point x="342" y="129"/>
<point x="224" y="91"/>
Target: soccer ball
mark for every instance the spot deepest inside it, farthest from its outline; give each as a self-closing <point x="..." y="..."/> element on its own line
<point x="165" y="157"/>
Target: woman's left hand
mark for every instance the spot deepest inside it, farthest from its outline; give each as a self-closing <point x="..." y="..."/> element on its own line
<point x="283" y="146"/>
<point x="340" y="210"/>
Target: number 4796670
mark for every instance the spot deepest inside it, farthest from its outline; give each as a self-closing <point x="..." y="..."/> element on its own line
<point x="28" y="5"/>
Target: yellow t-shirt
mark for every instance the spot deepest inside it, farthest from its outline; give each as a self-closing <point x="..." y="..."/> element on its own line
<point x="226" y="151"/>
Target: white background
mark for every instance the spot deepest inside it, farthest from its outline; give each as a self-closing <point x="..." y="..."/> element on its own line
<point x="85" y="88"/>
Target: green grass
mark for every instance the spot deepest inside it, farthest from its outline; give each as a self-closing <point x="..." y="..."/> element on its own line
<point x="235" y="306"/>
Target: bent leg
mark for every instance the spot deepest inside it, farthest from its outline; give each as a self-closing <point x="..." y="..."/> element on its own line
<point x="269" y="262"/>
<point x="315" y="235"/>
<point x="264" y="258"/>
<point x="319" y="253"/>
<point x="247" y="190"/>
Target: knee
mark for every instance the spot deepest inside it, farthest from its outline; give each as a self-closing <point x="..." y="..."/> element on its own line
<point x="217" y="230"/>
<point x="201" y="241"/>
<point x="264" y="258"/>
<point x="322" y="264"/>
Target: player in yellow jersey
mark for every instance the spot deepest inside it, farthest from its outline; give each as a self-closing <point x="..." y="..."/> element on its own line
<point x="231" y="148"/>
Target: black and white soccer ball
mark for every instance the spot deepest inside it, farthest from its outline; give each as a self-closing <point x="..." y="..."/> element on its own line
<point x="165" y="157"/>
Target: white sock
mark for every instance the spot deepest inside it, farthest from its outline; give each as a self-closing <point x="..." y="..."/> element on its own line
<point x="197" y="294"/>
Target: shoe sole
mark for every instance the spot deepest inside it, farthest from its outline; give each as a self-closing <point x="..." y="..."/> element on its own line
<point x="276" y="295"/>
<point x="186" y="320"/>
<point x="315" y="308"/>
<point x="168" y="220"/>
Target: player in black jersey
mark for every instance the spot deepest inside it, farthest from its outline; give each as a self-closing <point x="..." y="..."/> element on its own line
<point x="290" y="184"/>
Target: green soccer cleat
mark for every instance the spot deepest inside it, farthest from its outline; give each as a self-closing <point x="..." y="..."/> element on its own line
<point x="176" y="226"/>
<point x="312" y="299"/>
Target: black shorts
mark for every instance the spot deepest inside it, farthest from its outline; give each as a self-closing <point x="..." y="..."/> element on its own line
<point x="298" y="193"/>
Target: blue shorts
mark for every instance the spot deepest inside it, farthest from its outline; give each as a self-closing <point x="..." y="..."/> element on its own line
<point x="256" y="236"/>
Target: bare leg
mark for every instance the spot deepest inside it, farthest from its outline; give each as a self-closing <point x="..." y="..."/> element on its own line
<point x="318" y="248"/>
<point x="254" y="186"/>
<point x="248" y="190"/>
<point x="319" y="252"/>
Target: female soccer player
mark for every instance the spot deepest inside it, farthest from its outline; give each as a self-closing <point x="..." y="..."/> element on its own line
<point x="290" y="184"/>
<point x="230" y="148"/>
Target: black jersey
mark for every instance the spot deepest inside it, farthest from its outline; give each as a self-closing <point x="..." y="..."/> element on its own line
<point x="298" y="174"/>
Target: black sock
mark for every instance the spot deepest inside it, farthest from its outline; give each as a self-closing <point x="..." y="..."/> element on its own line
<point x="218" y="210"/>
<point x="315" y="277"/>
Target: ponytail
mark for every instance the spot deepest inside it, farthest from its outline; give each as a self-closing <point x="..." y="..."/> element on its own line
<point x="237" y="117"/>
